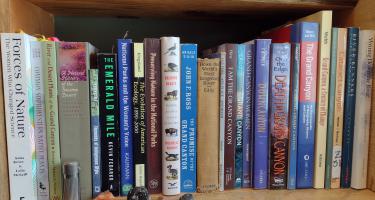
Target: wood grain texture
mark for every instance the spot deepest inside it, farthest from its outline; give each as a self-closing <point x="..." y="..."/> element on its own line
<point x="187" y="8"/>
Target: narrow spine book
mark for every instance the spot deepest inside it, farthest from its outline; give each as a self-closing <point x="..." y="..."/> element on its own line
<point x="222" y="56"/>
<point x="188" y="117"/>
<point x="279" y="121"/>
<point x="125" y="92"/>
<point x="153" y="114"/>
<point x="108" y="115"/>
<point x="349" y="106"/>
<point x="170" y="76"/>
<point x="209" y="124"/>
<point x="261" y="132"/>
<point x="15" y="49"/>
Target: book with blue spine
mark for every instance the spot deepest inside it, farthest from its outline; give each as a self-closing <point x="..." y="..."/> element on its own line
<point x="239" y="114"/>
<point x="307" y="34"/>
<point x="126" y="120"/>
<point x="248" y="109"/>
<point x="188" y="117"/>
<point x="293" y="117"/>
<point x="261" y="134"/>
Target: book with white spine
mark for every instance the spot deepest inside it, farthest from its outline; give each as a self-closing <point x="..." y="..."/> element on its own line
<point x="15" y="49"/>
<point x="362" y="109"/>
<point x="170" y="63"/>
<point x="222" y="120"/>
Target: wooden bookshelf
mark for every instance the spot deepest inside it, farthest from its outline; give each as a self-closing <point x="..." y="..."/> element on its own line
<point x="37" y="16"/>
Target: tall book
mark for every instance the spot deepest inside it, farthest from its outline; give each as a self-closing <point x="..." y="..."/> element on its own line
<point x="362" y="109"/>
<point x="307" y="34"/>
<point x="108" y="115"/>
<point x="139" y="116"/>
<point x="261" y="134"/>
<point x="336" y="108"/>
<point x="39" y="120"/>
<point x="95" y="132"/>
<point x="153" y="113"/>
<point x="15" y="49"/>
<point x="73" y="63"/>
<point x="349" y="105"/>
<point x="279" y="109"/>
<point x="222" y="56"/>
<point x="188" y="117"/>
<point x="293" y="115"/>
<point x="239" y="114"/>
<point x="248" y="110"/>
<point x="209" y="124"/>
<point x="52" y="119"/>
<point x="125" y="92"/>
<point x="170" y="76"/>
<point x="324" y="18"/>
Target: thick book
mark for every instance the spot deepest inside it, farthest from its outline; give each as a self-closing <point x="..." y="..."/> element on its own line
<point x="293" y="115"/>
<point x="188" y="117"/>
<point x="349" y="106"/>
<point x="139" y="116"/>
<point x="261" y="131"/>
<point x="40" y="137"/>
<point x="239" y="114"/>
<point x="335" y="108"/>
<point x="125" y="95"/>
<point x="108" y="115"/>
<point x="248" y="125"/>
<point x="17" y="73"/>
<point x="95" y="132"/>
<point x="307" y="34"/>
<point x="153" y="113"/>
<point x="52" y="119"/>
<point x="209" y="124"/>
<point x="362" y="108"/>
<point x="279" y="110"/>
<point x="170" y="76"/>
<point x="73" y="63"/>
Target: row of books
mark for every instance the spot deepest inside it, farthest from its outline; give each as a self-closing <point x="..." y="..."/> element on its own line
<point x="287" y="111"/>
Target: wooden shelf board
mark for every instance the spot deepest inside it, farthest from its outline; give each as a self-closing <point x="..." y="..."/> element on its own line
<point x="187" y="8"/>
<point x="306" y="194"/>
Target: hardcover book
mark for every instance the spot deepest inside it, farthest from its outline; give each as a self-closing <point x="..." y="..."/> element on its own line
<point x="188" y="117"/>
<point x="108" y="115"/>
<point x="153" y="114"/>
<point x="261" y="134"/>
<point x="125" y="92"/>
<point x="17" y="73"/>
<point x="306" y="33"/>
<point x="170" y="76"/>
<point x="362" y="108"/>
<point x="209" y="124"/>
<point x="279" y="109"/>
<point x="349" y="106"/>
<point x="73" y="63"/>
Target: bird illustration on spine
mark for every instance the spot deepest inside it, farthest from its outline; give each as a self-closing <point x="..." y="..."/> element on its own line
<point x="172" y="95"/>
<point x="171" y="50"/>
<point x="171" y="156"/>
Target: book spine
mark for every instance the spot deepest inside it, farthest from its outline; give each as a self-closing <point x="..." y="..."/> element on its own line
<point x="279" y="121"/>
<point x="362" y="109"/>
<point x="349" y="106"/>
<point x="293" y="116"/>
<point x="247" y="128"/>
<point x="139" y="115"/>
<point x="339" y="108"/>
<point x="153" y="114"/>
<point x="209" y="126"/>
<point x="108" y="115"/>
<point x="188" y="117"/>
<point x="16" y="66"/>
<point x="170" y="64"/>
<point x="95" y="132"/>
<point x="39" y="120"/>
<point x="230" y="115"/>
<point x="222" y="119"/>
<point x="308" y="37"/>
<point x="262" y="48"/>
<point x="125" y="93"/>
